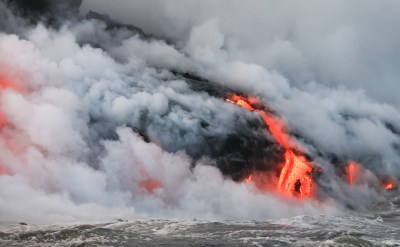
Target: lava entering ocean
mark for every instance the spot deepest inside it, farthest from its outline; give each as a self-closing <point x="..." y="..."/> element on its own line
<point x="295" y="177"/>
<point x="5" y="84"/>
<point x="352" y="169"/>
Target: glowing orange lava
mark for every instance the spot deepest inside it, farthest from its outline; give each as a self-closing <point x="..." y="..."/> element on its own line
<point x="295" y="176"/>
<point x="4" y="84"/>
<point x="150" y="185"/>
<point x="389" y="186"/>
<point x="248" y="179"/>
<point x="352" y="170"/>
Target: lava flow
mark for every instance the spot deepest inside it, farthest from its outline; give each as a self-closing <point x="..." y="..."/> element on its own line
<point x="295" y="176"/>
<point x="352" y="170"/>
<point x="389" y="186"/>
<point x="4" y="84"/>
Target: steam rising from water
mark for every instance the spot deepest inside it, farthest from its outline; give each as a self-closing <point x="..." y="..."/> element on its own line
<point x="97" y="126"/>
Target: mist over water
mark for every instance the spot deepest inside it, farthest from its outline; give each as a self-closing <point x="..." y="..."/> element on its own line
<point x="97" y="125"/>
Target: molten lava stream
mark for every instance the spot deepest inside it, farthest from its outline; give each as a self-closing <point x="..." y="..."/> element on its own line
<point x="295" y="177"/>
<point x="352" y="170"/>
<point x="5" y="84"/>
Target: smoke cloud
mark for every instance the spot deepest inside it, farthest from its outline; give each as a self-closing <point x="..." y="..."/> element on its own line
<point x="96" y="123"/>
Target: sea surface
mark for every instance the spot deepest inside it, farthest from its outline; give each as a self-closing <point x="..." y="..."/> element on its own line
<point x="379" y="226"/>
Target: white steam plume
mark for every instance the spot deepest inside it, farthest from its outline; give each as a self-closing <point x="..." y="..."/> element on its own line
<point x="350" y="43"/>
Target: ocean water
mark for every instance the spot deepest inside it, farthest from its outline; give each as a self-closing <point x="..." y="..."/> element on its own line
<point x="379" y="226"/>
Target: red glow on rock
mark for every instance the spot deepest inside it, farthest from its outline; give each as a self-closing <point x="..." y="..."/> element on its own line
<point x="295" y="176"/>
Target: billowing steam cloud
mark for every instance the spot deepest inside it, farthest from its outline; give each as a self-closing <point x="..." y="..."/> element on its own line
<point x="355" y="43"/>
<point x="98" y="122"/>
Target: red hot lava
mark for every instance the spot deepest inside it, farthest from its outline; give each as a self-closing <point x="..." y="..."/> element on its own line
<point x="150" y="185"/>
<point x="5" y="84"/>
<point x="352" y="170"/>
<point x="355" y="174"/>
<point x="389" y="186"/>
<point x="295" y="176"/>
